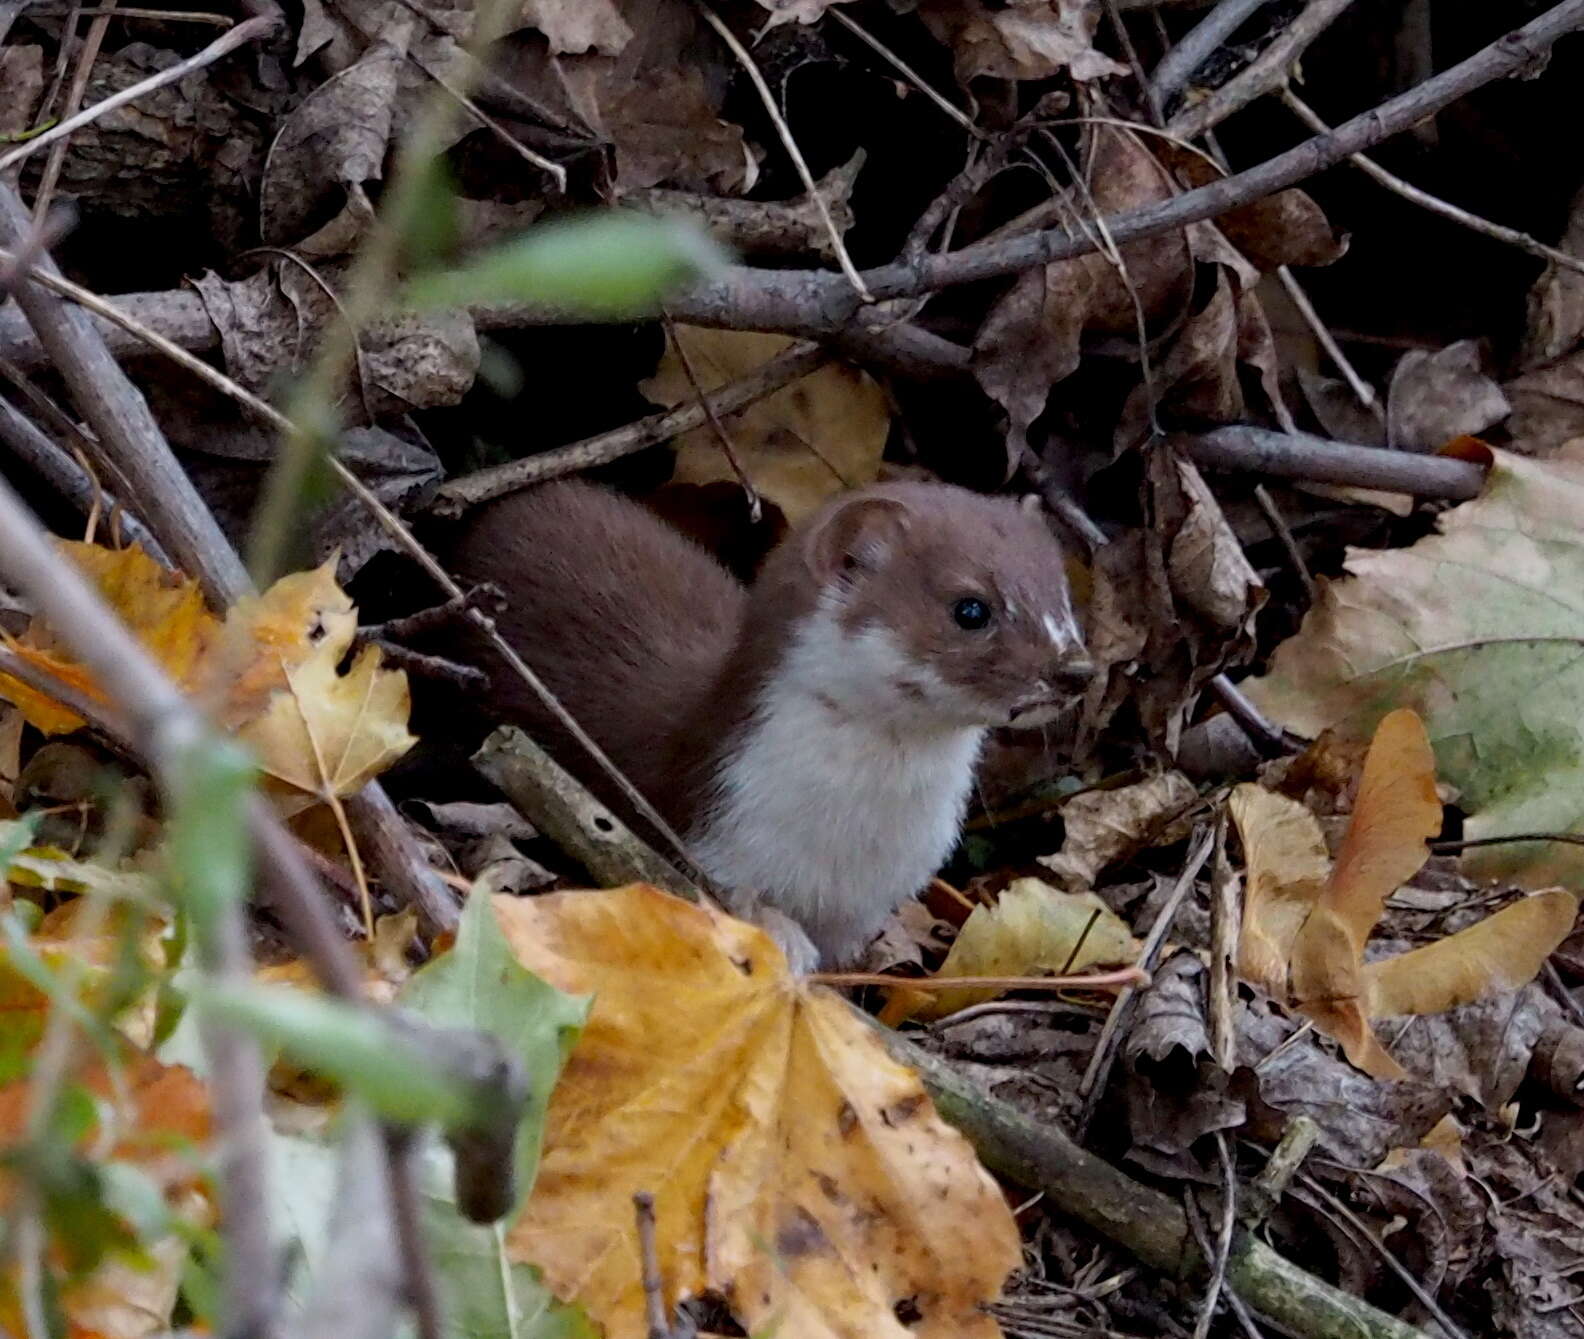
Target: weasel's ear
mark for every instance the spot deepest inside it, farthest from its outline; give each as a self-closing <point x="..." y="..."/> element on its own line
<point x="854" y="535"/>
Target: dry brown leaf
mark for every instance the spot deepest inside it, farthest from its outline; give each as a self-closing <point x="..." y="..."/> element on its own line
<point x="1023" y="39"/>
<point x="573" y="27"/>
<point x="797" y="1170"/>
<point x="1287" y="865"/>
<point x="818" y="437"/>
<point x="1501" y="952"/>
<point x="327" y="734"/>
<point x="1437" y="396"/>
<point x="1031" y="339"/>
<point x="1105" y="825"/>
<point x="1396" y="812"/>
<point x="1032" y="929"/>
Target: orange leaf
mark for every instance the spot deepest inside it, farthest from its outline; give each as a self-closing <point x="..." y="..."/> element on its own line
<point x="1395" y="813"/>
<point x="1501" y="952"/>
<point x="1284" y="852"/>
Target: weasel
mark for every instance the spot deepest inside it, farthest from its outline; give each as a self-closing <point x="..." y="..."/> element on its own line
<point x="813" y="738"/>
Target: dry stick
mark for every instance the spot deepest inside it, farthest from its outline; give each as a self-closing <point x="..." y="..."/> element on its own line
<point x="165" y="727"/>
<point x="1267" y="71"/>
<point x="1452" y="1330"/>
<point x="376" y="818"/>
<point x="1041" y="1156"/>
<point x="1317" y="460"/>
<point x="1284" y="536"/>
<point x="786" y="367"/>
<point x="751" y="69"/>
<point x="1223" y="1243"/>
<point x="249" y="30"/>
<point x="79" y="85"/>
<point x="1363" y="392"/>
<point x="810" y="301"/>
<point x="1177" y="66"/>
<point x="1093" y="1083"/>
<point x="44" y="233"/>
<point x="157" y="15"/>
<point x="722" y="437"/>
<point x="659" y="1326"/>
<point x="1434" y="203"/>
<point x="905" y="70"/>
<point x="1123" y="977"/>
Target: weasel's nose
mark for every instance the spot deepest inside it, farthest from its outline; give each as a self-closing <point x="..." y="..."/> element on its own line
<point x="1071" y="673"/>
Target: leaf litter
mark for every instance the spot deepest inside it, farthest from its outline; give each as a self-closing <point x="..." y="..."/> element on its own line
<point x="1419" y="967"/>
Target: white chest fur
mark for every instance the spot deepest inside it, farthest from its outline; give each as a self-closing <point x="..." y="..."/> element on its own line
<point x="838" y="801"/>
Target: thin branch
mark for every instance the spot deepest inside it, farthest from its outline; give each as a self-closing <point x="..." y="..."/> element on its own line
<point x="1316" y="460"/>
<point x="1267" y="71"/>
<point x="469" y="490"/>
<point x="1434" y="203"/>
<point x="1093" y="1084"/>
<point x="250" y="30"/>
<point x="905" y="70"/>
<point x="756" y="76"/>
<point x="1177" y="66"/>
<point x="97" y="29"/>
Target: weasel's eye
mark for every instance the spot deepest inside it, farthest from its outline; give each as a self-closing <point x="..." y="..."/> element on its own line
<point x="971" y="613"/>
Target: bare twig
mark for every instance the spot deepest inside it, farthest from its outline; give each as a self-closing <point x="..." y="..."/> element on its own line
<point x="1363" y="1231"/>
<point x="1093" y="1083"/>
<point x="1284" y="536"/>
<point x="65" y="476"/>
<point x="649" y="1260"/>
<point x="1316" y="460"/>
<point x="904" y="69"/>
<point x="1363" y="392"/>
<point x="249" y="30"/>
<point x="1265" y="72"/>
<point x="756" y="77"/>
<point x="1177" y="66"/>
<point x="1123" y="977"/>
<point x="1223" y="1242"/>
<point x="469" y="490"/>
<point x="79" y="85"/>
<point x="1265" y="736"/>
<point x="1445" y="208"/>
<point x="702" y="399"/>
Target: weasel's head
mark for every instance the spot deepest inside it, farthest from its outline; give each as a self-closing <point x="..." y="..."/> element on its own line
<point x="938" y="606"/>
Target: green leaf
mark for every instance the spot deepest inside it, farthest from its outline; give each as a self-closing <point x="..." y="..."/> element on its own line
<point x="613" y="266"/>
<point x="344" y="1042"/>
<point x="480" y="984"/>
<point x="1480" y="629"/>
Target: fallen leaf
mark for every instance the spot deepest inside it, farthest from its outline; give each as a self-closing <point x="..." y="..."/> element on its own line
<point x="1479" y="629"/>
<point x="1022" y="39"/>
<point x="819" y="436"/>
<point x="1284" y="853"/>
<point x="1032" y="337"/>
<point x="797" y="1170"/>
<point x="1501" y="952"/>
<point x="1436" y="396"/>
<point x="1103" y="826"/>
<point x="327" y="734"/>
<point x="1033" y="929"/>
<point x="164" y="610"/>
<point x="573" y="27"/>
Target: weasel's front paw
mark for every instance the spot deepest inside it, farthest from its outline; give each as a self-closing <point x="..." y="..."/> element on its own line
<point x="790" y="937"/>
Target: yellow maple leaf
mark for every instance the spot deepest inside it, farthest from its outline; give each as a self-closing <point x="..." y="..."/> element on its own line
<point x="798" y="1171"/>
<point x="280" y="629"/>
<point x="326" y="734"/>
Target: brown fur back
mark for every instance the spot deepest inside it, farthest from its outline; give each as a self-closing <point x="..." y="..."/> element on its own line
<point x="593" y="579"/>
